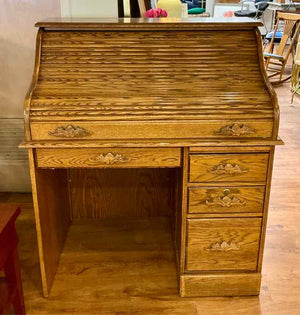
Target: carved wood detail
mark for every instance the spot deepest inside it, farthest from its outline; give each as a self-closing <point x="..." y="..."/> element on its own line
<point x="223" y="246"/>
<point x="225" y="200"/>
<point x="227" y="168"/>
<point x="110" y="158"/>
<point x="235" y="130"/>
<point x="69" y="132"/>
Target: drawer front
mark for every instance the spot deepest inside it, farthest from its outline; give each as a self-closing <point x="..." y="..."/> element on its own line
<point x="150" y="130"/>
<point x="108" y="158"/>
<point x="226" y="199"/>
<point x="228" y="167"/>
<point x="223" y="244"/>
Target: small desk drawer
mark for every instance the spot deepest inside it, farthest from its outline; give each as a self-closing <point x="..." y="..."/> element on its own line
<point x="228" y="167"/>
<point x="108" y="158"/>
<point x="226" y="199"/>
<point x="223" y="244"/>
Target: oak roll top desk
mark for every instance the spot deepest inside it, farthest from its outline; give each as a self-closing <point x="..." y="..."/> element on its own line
<point x="186" y="101"/>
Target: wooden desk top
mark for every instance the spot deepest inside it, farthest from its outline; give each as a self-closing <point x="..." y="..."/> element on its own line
<point x="164" y="23"/>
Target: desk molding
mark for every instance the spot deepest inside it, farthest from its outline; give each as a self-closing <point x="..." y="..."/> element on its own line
<point x="46" y="144"/>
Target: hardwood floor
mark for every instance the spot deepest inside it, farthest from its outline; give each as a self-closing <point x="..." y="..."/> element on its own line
<point x="128" y="267"/>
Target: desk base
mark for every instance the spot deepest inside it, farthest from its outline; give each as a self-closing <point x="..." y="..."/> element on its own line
<point x="238" y="284"/>
<point x="217" y="201"/>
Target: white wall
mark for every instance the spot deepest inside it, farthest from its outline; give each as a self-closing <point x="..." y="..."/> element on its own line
<point x="17" y="49"/>
<point x="17" y="45"/>
<point x="89" y="8"/>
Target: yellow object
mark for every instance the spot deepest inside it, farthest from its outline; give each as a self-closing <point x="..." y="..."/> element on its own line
<point x="173" y="7"/>
<point x="295" y="85"/>
<point x="297" y="55"/>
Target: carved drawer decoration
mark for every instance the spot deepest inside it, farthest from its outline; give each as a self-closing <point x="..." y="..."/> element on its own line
<point x="69" y="131"/>
<point x="226" y="200"/>
<point x="236" y="130"/>
<point x="248" y="167"/>
<point x="241" y="199"/>
<point x="110" y="158"/>
<point x="222" y="244"/>
<point x="227" y="168"/>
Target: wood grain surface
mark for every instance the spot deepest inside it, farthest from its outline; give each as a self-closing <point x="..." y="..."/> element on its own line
<point x="223" y="244"/>
<point x="198" y="145"/>
<point x="135" y="82"/>
<point x="238" y="284"/>
<point x="226" y="199"/>
<point x="52" y="213"/>
<point x="133" y="281"/>
<point x="151" y="130"/>
<point x="228" y="167"/>
<point x="121" y="193"/>
<point x="78" y="72"/>
<point x="108" y="158"/>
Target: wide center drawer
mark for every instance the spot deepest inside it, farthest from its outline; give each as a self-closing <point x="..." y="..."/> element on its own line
<point x="223" y="244"/>
<point x="108" y="158"/>
<point x="250" y="167"/>
<point x="150" y="130"/>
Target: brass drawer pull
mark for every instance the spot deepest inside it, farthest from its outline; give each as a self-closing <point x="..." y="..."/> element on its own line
<point x="226" y="200"/>
<point x="69" y="132"/>
<point x="223" y="246"/>
<point x="235" y="130"/>
<point x="110" y="158"/>
<point x="228" y="169"/>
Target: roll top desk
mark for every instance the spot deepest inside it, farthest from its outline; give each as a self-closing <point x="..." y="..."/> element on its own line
<point x="187" y="99"/>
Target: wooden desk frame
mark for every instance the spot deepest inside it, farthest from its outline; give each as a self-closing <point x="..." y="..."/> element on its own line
<point x="221" y="167"/>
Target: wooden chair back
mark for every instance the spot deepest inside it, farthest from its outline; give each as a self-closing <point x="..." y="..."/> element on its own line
<point x="142" y="7"/>
<point x="290" y="20"/>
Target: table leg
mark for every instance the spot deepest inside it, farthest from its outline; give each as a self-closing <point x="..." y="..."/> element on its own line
<point x="14" y="281"/>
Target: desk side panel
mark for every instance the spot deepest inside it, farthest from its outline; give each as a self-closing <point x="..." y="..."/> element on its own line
<point x="52" y="215"/>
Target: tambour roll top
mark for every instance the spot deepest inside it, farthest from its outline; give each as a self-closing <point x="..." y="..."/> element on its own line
<point x="137" y="79"/>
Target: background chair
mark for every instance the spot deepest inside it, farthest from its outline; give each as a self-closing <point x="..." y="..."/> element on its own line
<point x="254" y="9"/>
<point x="259" y="5"/>
<point x="276" y="61"/>
<point x="295" y="83"/>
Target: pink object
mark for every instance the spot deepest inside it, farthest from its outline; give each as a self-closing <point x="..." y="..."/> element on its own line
<point x="161" y="12"/>
<point x="228" y="14"/>
<point x="151" y="13"/>
<point x="156" y="13"/>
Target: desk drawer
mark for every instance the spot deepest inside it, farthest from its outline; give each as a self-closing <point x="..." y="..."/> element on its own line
<point x="108" y="158"/>
<point x="151" y="130"/>
<point x="228" y="167"/>
<point x="223" y="244"/>
<point x="226" y="199"/>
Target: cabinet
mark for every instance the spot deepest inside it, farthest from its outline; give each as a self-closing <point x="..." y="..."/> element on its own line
<point x="186" y="102"/>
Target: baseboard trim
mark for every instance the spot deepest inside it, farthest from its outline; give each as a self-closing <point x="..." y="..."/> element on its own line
<point x="234" y="284"/>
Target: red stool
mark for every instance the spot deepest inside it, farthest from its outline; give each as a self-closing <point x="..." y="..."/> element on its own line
<point x="11" y="292"/>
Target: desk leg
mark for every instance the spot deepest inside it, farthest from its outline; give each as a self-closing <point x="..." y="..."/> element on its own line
<point x="52" y="216"/>
<point x="179" y="225"/>
<point x="13" y="278"/>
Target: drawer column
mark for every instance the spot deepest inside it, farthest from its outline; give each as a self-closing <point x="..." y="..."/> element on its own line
<point x="224" y="211"/>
